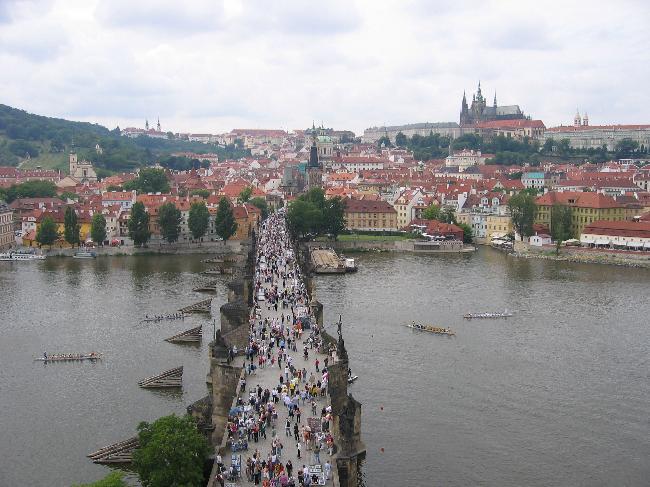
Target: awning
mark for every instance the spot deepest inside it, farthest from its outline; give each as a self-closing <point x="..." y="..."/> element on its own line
<point x="586" y="240"/>
<point x="634" y="244"/>
<point x="602" y="241"/>
<point x="646" y="245"/>
<point x="498" y="235"/>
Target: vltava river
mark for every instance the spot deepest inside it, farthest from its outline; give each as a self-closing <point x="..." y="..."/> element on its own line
<point x="556" y="396"/>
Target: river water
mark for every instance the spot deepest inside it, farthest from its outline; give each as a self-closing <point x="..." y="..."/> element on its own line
<point x="558" y="395"/>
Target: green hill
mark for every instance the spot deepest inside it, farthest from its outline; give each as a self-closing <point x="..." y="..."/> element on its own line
<point x="32" y="140"/>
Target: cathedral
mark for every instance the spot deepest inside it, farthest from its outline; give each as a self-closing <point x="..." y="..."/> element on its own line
<point x="479" y="111"/>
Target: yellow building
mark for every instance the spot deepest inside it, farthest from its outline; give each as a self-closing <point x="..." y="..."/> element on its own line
<point x="586" y="208"/>
<point x="370" y="215"/>
<point x="498" y="224"/>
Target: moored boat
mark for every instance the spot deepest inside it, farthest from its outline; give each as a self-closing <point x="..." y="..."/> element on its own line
<point x="13" y="256"/>
<point x="432" y="329"/>
<point x="69" y="357"/>
<point x="84" y="255"/>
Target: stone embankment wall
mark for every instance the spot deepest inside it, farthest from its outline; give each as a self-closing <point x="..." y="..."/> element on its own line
<point x="214" y="248"/>
<point x="587" y="256"/>
<point x="383" y="246"/>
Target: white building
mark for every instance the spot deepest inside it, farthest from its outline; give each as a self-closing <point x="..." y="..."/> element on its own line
<point x="464" y="159"/>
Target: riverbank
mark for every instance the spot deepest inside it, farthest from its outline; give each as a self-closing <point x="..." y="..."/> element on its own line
<point x="416" y="246"/>
<point x="218" y="248"/>
<point x="583" y="255"/>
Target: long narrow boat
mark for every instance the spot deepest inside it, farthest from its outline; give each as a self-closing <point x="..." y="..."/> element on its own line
<point x="432" y="329"/>
<point x="70" y="357"/>
<point x="505" y="314"/>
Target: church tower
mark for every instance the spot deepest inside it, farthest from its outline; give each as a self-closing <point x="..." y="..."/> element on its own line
<point x="146" y="124"/>
<point x="585" y="120"/>
<point x="464" y="110"/>
<point x="158" y="125"/>
<point x="577" y="121"/>
<point x="73" y="162"/>
<point x="314" y="169"/>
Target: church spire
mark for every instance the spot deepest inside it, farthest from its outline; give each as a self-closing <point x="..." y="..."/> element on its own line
<point x="495" y="99"/>
<point x="158" y="125"/>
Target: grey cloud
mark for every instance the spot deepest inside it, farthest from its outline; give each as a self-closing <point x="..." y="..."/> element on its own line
<point x="167" y="16"/>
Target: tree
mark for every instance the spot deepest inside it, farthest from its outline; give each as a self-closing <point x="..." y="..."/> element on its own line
<point x="468" y="235"/>
<point x="71" y="226"/>
<point x="47" y="232"/>
<point x="522" y="212"/>
<point x="334" y="216"/>
<point x="447" y="215"/>
<point x="225" y="224"/>
<point x="172" y="452"/>
<point x="113" y="479"/>
<point x="302" y="217"/>
<point x="245" y="194"/>
<point x="149" y="180"/>
<point x="432" y="212"/>
<point x="384" y="141"/>
<point x="139" y="224"/>
<point x="68" y="195"/>
<point x="560" y="224"/>
<point x="169" y="219"/>
<point x="260" y="203"/>
<point x="98" y="228"/>
<point x="401" y="139"/>
<point x="199" y="219"/>
<point x="626" y="148"/>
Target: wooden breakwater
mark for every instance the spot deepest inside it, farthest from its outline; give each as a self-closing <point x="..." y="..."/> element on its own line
<point x="192" y="335"/>
<point x="169" y="378"/>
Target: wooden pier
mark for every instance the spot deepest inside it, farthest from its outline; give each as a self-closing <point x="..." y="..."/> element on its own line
<point x="168" y="379"/>
<point x="325" y="261"/>
<point x="121" y="452"/>
<point x="204" y="306"/>
<point x="210" y="287"/>
<point x="188" y="336"/>
<point x="217" y="271"/>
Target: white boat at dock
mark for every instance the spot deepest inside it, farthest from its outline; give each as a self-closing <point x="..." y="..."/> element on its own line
<point x="84" y="255"/>
<point x="505" y="314"/>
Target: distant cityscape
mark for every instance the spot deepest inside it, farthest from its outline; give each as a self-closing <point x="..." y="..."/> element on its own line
<point x="387" y="184"/>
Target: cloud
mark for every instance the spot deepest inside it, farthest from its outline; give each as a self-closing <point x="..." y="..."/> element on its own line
<point x="205" y="65"/>
<point x="169" y="16"/>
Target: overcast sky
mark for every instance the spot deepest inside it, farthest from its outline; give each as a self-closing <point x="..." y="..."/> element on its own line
<point x="211" y="65"/>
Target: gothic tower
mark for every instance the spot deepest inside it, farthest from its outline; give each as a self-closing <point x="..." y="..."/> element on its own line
<point x="158" y="125"/>
<point x="314" y="169"/>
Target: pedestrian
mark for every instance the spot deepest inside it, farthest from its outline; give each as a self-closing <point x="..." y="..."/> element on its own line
<point x="317" y="452"/>
<point x="295" y="431"/>
<point x="298" y="448"/>
<point x="328" y="470"/>
<point x="287" y="428"/>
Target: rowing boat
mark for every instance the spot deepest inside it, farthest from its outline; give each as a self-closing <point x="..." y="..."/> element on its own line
<point x="432" y="329"/>
<point x="352" y="379"/>
<point x="69" y="357"/>
<point x="505" y="314"/>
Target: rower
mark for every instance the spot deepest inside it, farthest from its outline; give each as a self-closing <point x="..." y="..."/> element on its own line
<point x="45" y="355"/>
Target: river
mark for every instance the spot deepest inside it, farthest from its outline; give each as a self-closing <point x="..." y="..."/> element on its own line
<point x="558" y="395"/>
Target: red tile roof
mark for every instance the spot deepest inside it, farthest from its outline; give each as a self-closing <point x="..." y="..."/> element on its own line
<point x="620" y="228"/>
<point x="578" y="199"/>
<point x="367" y="206"/>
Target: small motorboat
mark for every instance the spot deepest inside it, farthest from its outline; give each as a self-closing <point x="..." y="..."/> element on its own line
<point x="351" y="379"/>
<point x="84" y="255"/>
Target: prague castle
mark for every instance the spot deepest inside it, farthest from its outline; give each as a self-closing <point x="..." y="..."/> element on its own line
<point x="479" y="111"/>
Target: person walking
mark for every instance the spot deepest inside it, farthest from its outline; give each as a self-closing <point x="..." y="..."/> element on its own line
<point x="317" y="452"/>
<point x="287" y="428"/>
<point x="298" y="448"/>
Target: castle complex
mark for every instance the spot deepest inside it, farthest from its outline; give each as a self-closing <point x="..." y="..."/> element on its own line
<point x="479" y="111"/>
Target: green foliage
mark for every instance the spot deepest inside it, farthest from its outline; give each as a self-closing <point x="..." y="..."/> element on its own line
<point x="27" y="131"/>
<point x="149" y="180"/>
<point x="169" y="220"/>
<point x="428" y="147"/>
<point x="560" y="224"/>
<point x="22" y="148"/>
<point x="30" y="189"/>
<point x="522" y="211"/>
<point x="626" y="148"/>
<point x="311" y="214"/>
<point x="71" y="227"/>
<point x="47" y="232"/>
<point x="113" y="479"/>
<point x="245" y="194"/>
<point x="260" y="203"/>
<point x="384" y="141"/>
<point x="199" y="219"/>
<point x="468" y="141"/>
<point x="468" y="235"/>
<point x="401" y="139"/>
<point x="139" y="224"/>
<point x="98" y="228"/>
<point x="68" y="195"/>
<point x="432" y="212"/>
<point x="172" y="452"/>
<point x="225" y="224"/>
<point x="447" y="215"/>
<point x="203" y="193"/>
<point x="113" y="187"/>
<point x="334" y="216"/>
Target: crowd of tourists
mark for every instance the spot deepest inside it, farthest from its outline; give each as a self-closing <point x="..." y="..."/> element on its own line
<point x="284" y="349"/>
